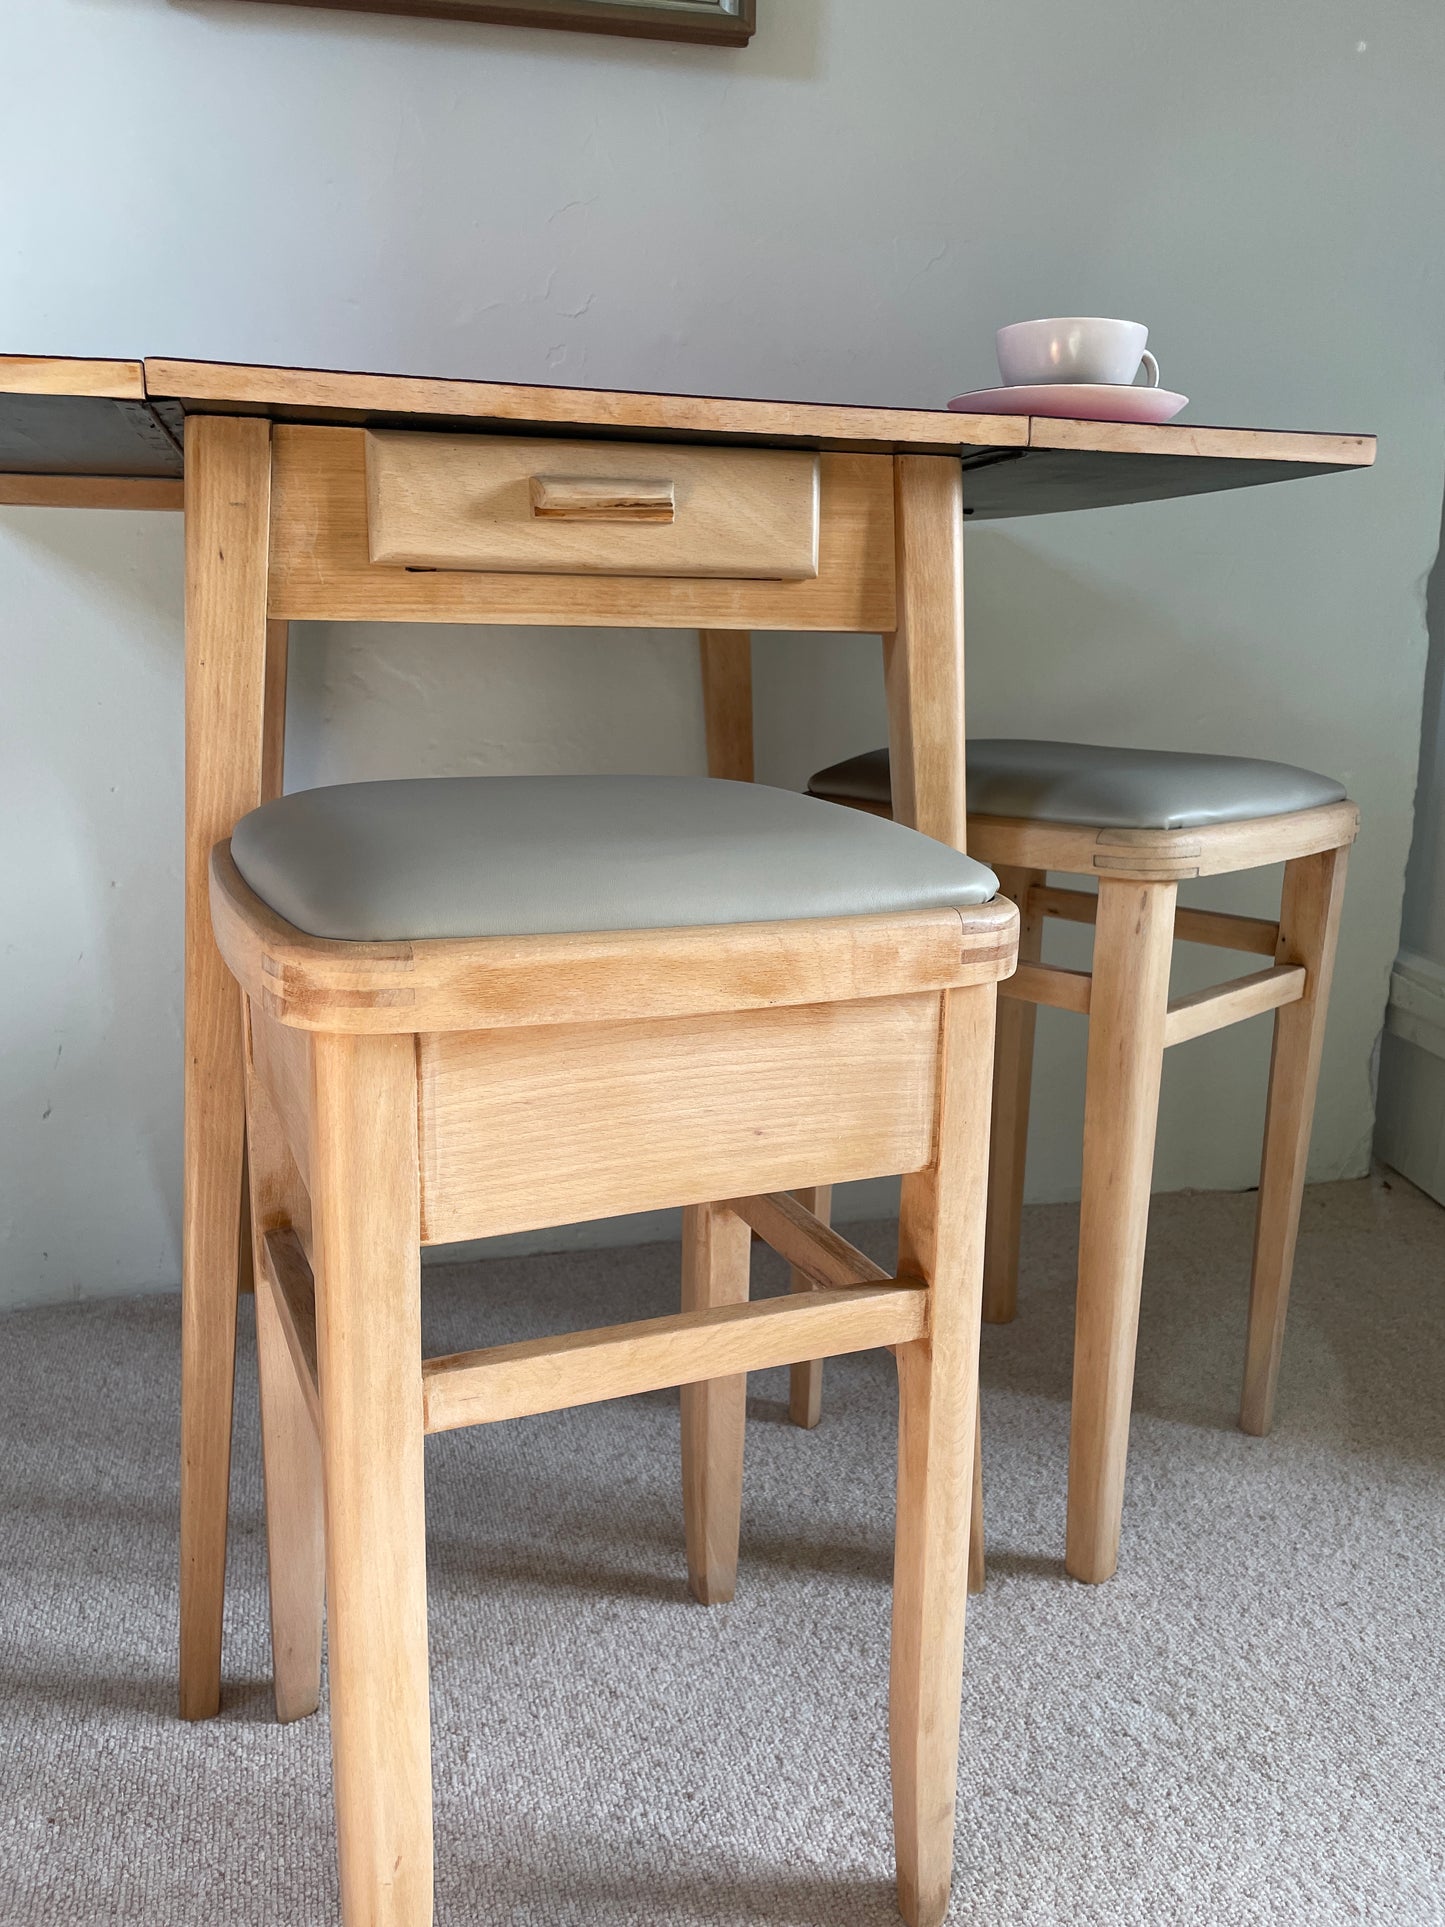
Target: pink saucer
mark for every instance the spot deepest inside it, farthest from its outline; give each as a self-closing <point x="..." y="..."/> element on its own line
<point x="1083" y="401"/>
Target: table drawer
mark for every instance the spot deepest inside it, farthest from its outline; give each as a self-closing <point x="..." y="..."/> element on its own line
<point x="590" y="508"/>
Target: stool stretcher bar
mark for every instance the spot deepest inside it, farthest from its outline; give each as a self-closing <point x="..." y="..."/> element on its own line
<point x="1222" y="1004"/>
<point x="855" y="1306"/>
<point x="1256" y="936"/>
<point x="1041" y="983"/>
<point x="1194" y="1015"/>
<point x="810" y="1246"/>
<point x="619" y="1361"/>
<point x="288" y="1273"/>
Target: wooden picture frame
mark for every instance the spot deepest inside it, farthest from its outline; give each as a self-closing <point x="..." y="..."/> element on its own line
<point x="714" y="23"/>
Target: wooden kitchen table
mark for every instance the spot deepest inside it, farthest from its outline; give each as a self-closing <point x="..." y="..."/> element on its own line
<point x="271" y="467"/>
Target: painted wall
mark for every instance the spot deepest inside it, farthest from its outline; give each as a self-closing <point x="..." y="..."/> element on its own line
<point x="844" y="211"/>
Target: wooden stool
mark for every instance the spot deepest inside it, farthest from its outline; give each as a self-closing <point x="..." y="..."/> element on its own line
<point x="482" y="1005"/>
<point x="1139" y="821"/>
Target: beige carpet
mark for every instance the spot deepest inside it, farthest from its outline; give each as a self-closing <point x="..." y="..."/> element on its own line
<point x="1247" y="1726"/>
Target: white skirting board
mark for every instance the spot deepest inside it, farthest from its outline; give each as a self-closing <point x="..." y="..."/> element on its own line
<point x="1410" y="1123"/>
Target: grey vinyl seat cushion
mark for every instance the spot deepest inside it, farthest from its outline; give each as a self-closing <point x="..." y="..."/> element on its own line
<point x="1121" y="789"/>
<point x="495" y="856"/>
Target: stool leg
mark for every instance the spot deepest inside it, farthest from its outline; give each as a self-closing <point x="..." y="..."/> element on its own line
<point x="295" y="1520"/>
<point x="1013" y="1069"/>
<point x="1309" y="923"/>
<point x="805" y="1385"/>
<point x="365" y="1205"/>
<point x="941" y="1241"/>
<point x="716" y="1256"/>
<point x="290" y="1448"/>
<point x="1133" y="944"/>
<point x="977" y="1570"/>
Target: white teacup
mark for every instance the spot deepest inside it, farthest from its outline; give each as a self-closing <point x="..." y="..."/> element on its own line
<point x="1075" y="348"/>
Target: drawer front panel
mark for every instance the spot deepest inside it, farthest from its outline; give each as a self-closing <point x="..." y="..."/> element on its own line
<point x="546" y="507"/>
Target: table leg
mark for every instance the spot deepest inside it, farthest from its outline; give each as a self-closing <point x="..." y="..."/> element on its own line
<point x="228" y="498"/>
<point x="727" y="701"/>
<point x="1013" y="1070"/>
<point x="940" y="1524"/>
<point x="273" y="755"/>
<point x="273" y="724"/>
<point x="923" y="658"/>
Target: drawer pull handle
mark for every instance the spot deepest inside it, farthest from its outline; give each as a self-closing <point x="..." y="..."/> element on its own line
<point x="579" y="498"/>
